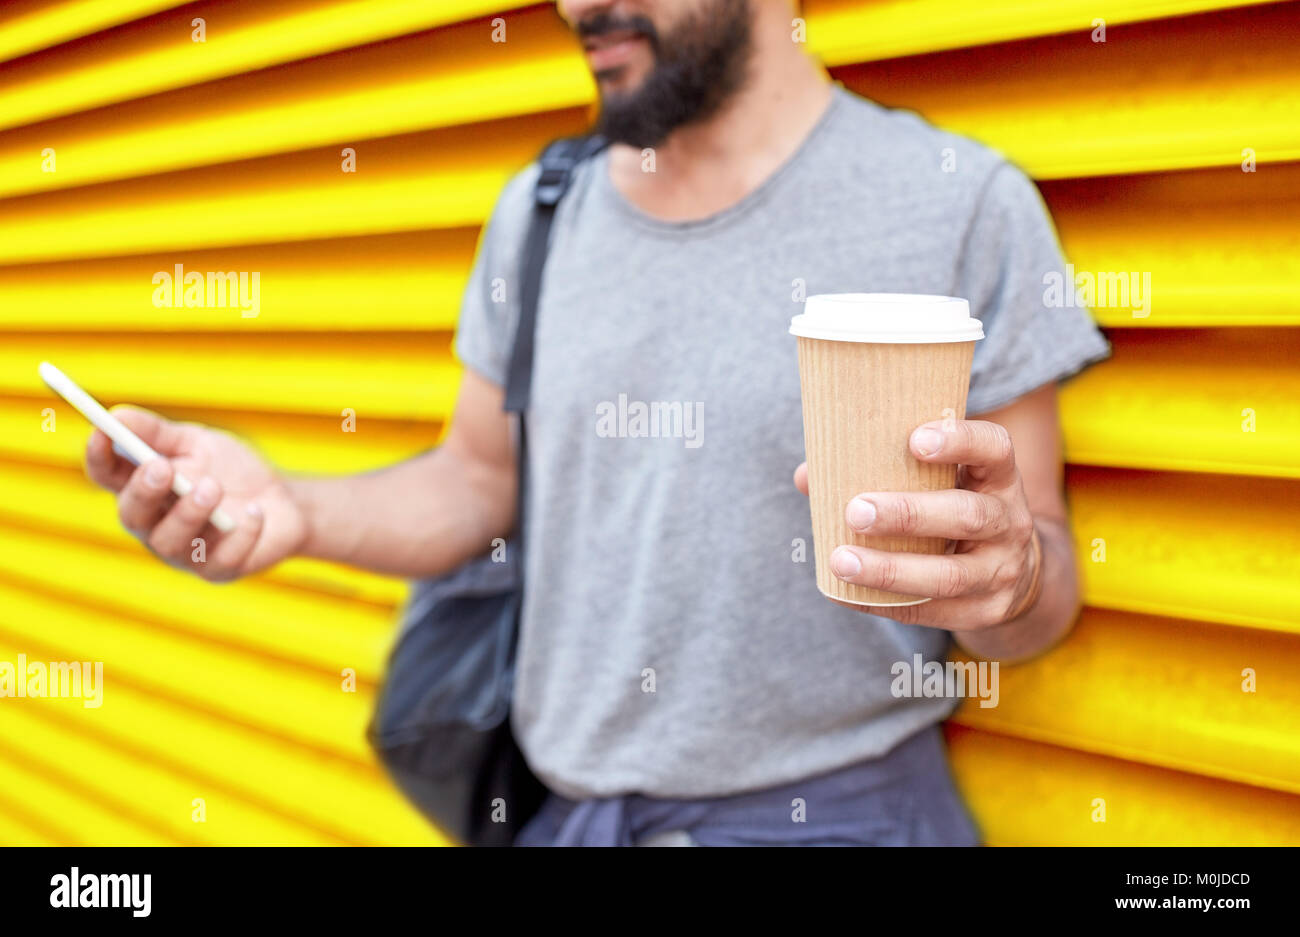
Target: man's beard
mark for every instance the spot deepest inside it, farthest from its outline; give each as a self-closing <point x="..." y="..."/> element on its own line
<point x="697" y="66"/>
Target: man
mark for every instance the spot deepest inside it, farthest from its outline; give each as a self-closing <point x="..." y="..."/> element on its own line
<point x="679" y="677"/>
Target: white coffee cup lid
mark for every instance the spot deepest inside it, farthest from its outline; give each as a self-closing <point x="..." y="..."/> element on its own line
<point x="886" y="317"/>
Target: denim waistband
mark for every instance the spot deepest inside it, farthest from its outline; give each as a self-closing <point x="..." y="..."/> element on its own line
<point x="903" y="798"/>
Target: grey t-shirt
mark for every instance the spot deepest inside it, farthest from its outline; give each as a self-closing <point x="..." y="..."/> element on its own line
<point x="673" y="641"/>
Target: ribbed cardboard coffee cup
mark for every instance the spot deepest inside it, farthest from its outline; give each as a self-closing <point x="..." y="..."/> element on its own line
<point x="873" y="367"/>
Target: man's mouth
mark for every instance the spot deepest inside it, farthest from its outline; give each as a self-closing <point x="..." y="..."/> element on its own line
<point x="611" y="49"/>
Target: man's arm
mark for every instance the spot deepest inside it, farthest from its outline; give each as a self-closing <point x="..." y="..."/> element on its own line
<point x="429" y="514"/>
<point x="423" y="517"/>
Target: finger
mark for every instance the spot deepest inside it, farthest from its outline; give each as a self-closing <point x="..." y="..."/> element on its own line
<point x="172" y="537"/>
<point x="983" y="447"/>
<point x="956" y="515"/>
<point x="104" y="467"/>
<point x="161" y="435"/>
<point x="801" y="477"/>
<point x="945" y="576"/>
<point x="233" y="549"/>
<point x="145" y="496"/>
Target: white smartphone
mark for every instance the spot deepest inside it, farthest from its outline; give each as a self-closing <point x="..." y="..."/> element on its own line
<point x="125" y="443"/>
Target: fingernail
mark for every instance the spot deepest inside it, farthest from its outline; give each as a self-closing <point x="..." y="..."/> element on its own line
<point x="156" y="475"/>
<point x="927" y="441"/>
<point x="205" y="495"/>
<point x="845" y="563"/>
<point x="861" y="514"/>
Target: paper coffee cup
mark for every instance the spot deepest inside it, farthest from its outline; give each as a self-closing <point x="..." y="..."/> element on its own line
<point x="872" y="368"/>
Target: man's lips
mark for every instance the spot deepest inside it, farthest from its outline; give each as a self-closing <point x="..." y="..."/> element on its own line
<point x="610" y="50"/>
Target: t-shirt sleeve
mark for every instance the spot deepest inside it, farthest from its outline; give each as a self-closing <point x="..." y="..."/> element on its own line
<point x="1011" y="258"/>
<point x="489" y="308"/>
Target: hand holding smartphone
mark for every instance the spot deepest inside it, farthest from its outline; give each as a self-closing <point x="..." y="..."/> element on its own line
<point x="126" y="443"/>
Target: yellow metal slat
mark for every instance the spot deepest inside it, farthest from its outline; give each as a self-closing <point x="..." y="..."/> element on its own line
<point x="409" y="281"/>
<point x="1204" y="547"/>
<point x="62" y="501"/>
<point x="316" y="631"/>
<point x="136" y="787"/>
<point x="292" y="442"/>
<point x="334" y="579"/>
<point x="27" y="30"/>
<point x="442" y="179"/>
<point x="1219" y="246"/>
<point x="347" y="801"/>
<point x="415" y="83"/>
<point x="159" y="54"/>
<point x="13" y="832"/>
<point x="312" y="709"/>
<point x="70" y="814"/>
<point x="1218" y="400"/>
<point x="1028" y="794"/>
<point x="1186" y="92"/>
<point x="844" y="31"/>
<point x="408" y="376"/>
<point x="1206" y="699"/>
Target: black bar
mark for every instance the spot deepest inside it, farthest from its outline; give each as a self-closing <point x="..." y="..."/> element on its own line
<point x="936" y="886"/>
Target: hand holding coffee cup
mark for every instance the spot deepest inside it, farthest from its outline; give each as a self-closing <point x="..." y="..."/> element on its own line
<point x="917" y="513"/>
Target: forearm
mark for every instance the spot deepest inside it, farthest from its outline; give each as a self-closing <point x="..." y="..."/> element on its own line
<point x="1049" y="619"/>
<point x="422" y="517"/>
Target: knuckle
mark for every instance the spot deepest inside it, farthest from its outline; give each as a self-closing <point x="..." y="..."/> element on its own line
<point x="1021" y="526"/>
<point x="997" y="520"/>
<point x="886" y="572"/>
<point x="907" y="516"/>
<point x="1007" y="575"/>
<point x="1000" y="442"/>
<point x="954" y="579"/>
<point x="972" y="516"/>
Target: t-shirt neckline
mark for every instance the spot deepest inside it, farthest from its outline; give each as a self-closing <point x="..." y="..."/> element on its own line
<point x="610" y="192"/>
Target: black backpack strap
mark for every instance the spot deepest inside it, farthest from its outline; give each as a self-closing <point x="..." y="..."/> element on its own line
<point x="557" y="163"/>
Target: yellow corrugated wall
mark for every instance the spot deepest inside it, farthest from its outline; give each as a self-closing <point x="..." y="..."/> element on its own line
<point x="126" y="147"/>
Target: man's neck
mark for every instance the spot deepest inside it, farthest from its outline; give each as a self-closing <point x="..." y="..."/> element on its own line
<point x="708" y="166"/>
